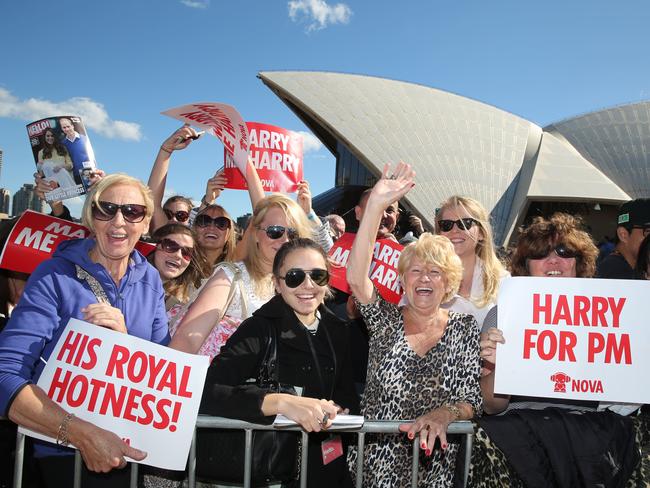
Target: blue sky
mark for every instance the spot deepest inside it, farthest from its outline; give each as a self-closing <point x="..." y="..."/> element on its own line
<point x="123" y="62"/>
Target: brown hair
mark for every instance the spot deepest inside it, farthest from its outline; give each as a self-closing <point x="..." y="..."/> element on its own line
<point x="228" y="251"/>
<point x="542" y="233"/>
<point x="197" y="270"/>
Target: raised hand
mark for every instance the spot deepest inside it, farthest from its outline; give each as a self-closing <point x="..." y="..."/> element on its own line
<point x="179" y="140"/>
<point x="392" y="185"/>
<point x="214" y="187"/>
<point x="304" y="196"/>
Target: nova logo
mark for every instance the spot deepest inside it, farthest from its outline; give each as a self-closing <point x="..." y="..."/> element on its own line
<point x="583" y="386"/>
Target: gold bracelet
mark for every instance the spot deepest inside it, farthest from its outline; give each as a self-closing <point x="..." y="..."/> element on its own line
<point x="162" y="148"/>
<point x="62" y="434"/>
<point x="455" y="411"/>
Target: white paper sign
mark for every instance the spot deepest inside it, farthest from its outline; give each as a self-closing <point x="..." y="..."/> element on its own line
<point x="583" y="339"/>
<point x="222" y="121"/>
<point x="147" y="394"/>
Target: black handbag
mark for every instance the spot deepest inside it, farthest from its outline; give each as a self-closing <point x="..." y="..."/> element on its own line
<point x="275" y="455"/>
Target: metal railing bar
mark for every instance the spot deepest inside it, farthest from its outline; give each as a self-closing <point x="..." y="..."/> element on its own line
<point x="191" y="478"/>
<point x="304" y="455"/>
<point x="248" y="458"/>
<point x="18" y="464"/>
<point x="415" y="462"/>
<point x="134" y="475"/>
<point x="77" y="469"/>
<point x="361" y="441"/>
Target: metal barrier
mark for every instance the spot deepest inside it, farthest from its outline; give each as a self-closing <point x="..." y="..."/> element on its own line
<point x="463" y="427"/>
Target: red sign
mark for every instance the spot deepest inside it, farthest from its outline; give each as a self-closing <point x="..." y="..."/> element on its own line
<point x="277" y="155"/>
<point x="383" y="267"/>
<point x="35" y="236"/>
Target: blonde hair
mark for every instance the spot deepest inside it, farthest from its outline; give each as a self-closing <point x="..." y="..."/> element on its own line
<point x="296" y="219"/>
<point x="228" y="251"/>
<point x="437" y="251"/>
<point x="493" y="270"/>
<point x="95" y="193"/>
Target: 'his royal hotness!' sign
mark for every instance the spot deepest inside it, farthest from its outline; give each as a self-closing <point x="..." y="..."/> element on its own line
<point x="147" y="394"/>
<point x="35" y="237"/>
<point x="383" y="267"/>
<point x="276" y="153"/>
<point x="583" y="339"/>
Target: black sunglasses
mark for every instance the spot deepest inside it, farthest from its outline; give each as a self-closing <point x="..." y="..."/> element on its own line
<point x="446" y="225"/>
<point x="277" y="231"/>
<point x="295" y="277"/>
<point x="221" y="223"/>
<point x="179" y="216"/>
<point x="560" y="250"/>
<point x="170" y="246"/>
<point x="105" y="211"/>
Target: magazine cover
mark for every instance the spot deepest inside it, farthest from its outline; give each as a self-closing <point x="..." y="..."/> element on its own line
<point x="63" y="155"/>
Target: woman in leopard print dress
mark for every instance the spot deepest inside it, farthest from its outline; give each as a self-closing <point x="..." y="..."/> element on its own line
<point x="424" y="361"/>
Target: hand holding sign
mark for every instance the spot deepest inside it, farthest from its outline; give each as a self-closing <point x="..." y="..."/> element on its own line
<point x="215" y="186"/>
<point x="104" y="315"/>
<point x="180" y="139"/>
<point x="488" y="343"/>
<point x="100" y="449"/>
<point x="304" y="196"/>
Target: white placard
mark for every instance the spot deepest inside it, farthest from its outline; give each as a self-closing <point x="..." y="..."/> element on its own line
<point x="584" y="339"/>
<point x="147" y="394"/>
<point x="222" y="121"/>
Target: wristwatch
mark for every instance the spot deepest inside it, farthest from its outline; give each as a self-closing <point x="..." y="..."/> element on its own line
<point x="455" y="411"/>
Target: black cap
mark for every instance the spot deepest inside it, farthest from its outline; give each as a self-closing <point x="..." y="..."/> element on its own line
<point x="635" y="213"/>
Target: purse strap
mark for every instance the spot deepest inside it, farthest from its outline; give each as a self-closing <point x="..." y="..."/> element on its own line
<point x="95" y="286"/>
<point x="268" y="374"/>
<point x="236" y="284"/>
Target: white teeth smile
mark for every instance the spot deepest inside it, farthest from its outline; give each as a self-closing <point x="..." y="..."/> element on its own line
<point x="553" y="273"/>
<point x="172" y="264"/>
<point x="305" y="297"/>
<point x="211" y="236"/>
<point x="423" y="290"/>
<point x="118" y="236"/>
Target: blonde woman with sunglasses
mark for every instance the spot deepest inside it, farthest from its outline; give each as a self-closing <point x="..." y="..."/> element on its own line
<point x="466" y="224"/>
<point x="210" y="320"/>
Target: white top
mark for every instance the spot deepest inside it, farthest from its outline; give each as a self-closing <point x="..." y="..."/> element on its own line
<point x="253" y="301"/>
<point x="469" y="305"/>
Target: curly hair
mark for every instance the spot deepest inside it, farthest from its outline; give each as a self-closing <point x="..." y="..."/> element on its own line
<point x="438" y="251"/>
<point x="543" y="234"/>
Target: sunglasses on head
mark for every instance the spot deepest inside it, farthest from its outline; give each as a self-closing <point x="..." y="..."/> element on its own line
<point x="446" y="225"/>
<point x="105" y="211"/>
<point x="179" y="216"/>
<point x="295" y="277"/>
<point x="560" y="250"/>
<point x="170" y="246"/>
<point x="203" y="220"/>
<point x="277" y="231"/>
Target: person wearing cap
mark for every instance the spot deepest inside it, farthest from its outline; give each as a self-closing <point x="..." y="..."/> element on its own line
<point x="633" y="225"/>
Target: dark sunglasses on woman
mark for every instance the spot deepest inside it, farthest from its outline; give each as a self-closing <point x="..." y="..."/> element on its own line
<point x="560" y="250"/>
<point x="446" y="225"/>
<point x="295" y="277"/>
<point x="170" y="246"/>
<point x="179" y="216"/>
<point x="277" y="231"/>
<point x="105" y="211"/>
<point x="221" y="223"/>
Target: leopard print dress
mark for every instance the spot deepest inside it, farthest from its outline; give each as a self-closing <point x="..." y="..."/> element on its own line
<point x="403" y="385"/>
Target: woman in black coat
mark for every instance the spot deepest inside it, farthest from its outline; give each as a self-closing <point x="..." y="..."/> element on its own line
<point x="313" y="356"/>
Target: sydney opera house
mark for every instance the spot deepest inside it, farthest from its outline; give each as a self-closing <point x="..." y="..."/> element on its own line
<point x="587" y="164"/>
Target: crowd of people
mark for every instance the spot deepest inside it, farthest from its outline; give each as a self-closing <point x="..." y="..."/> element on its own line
<point x="213" y="289"/>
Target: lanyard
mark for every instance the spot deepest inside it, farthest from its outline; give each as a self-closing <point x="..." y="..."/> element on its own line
<point x="317" y="363"/>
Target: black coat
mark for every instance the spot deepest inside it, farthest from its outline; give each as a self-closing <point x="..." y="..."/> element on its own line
<point x="226" y="394"/>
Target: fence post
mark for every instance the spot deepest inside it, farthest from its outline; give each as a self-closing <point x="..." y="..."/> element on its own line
<point x="304" y="455"/>
<point x="361" y="442"/>
<point x="191" y="477"/>
<point x="77" y="469"/>
<point x="248" y="458"/>
<point x="415" y="462"/>
<point x="18" y="464"/>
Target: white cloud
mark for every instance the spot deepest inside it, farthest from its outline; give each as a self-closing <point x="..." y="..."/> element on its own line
<point x="319" y="13"/>
<point x="310" y="142"/>
<point x="93" y="114"/>
<point x="196" y="3"/>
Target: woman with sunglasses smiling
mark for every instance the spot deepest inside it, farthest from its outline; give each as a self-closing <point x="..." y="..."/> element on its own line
<point x="466" y="224"/>
<point x="512" y="449"/>
<point x="215" y="233"/>
<point x="101" y="280"/>
<point x="313" y="355"/>
<point x="423" y="362"/>
<point x="207" y="325"/>
<point x="180" y="262"/>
